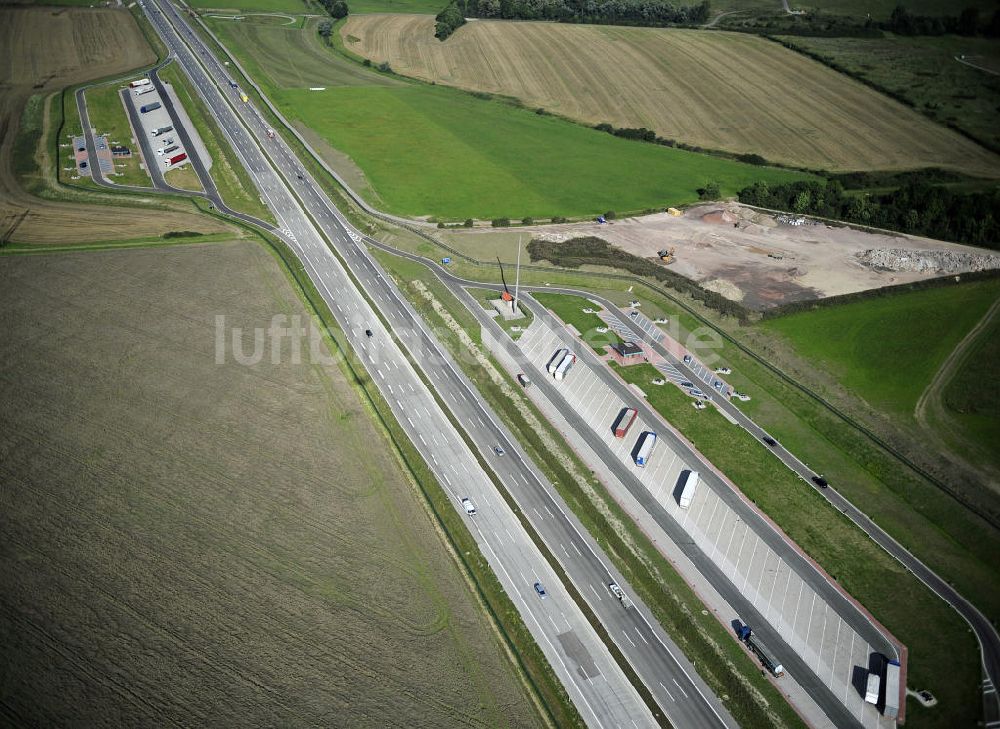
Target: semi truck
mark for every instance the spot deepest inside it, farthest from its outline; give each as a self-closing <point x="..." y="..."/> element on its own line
<point x="762" y="653"/>
<point x="144" y="90"/>
<point x="139" y="83"/>
<point x="149" y="107"/>
<point x="646" y="442"/>
<point x="168" y="150"/>
<point x="891" y="709"/>
<point x="177" y="158"/>
<point x="624" y="422"/>
<point x="688" y="489"/>
<point x="564" y="366"/>
<point x="161" y="130"/>
<point x="557" y="358"/>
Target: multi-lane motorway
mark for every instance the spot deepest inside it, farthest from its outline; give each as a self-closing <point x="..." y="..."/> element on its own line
<point x="457" y="434"/>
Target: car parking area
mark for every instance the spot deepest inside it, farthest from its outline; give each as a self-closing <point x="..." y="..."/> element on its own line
<point x="163" y="149"/>
<point x="802" y="605"/>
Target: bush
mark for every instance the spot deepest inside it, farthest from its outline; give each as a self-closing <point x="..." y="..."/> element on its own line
<point x="528" y="221"/>
<point x="181" y="234"/>
<point x="559" y="219"/>
<point x="468" y="223"/>
<point x="501" y="222"/>
<point x="709" y="192"/>
<point x="384" y="67"/>
<point x="610" y="215"/>
<point x="448" y="21"/>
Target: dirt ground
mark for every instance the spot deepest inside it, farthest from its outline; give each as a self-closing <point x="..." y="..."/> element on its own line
<point x="189" y="543"/>
<point x="749" y="257"/>
<point x="43" y="50"/>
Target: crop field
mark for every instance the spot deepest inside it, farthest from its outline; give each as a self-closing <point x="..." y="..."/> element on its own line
<point x="928" y="72"/>
<point x="432" y="151"/>
<point x="887" y="349"/>
<point x="730" y="91"/>
<point x="42" y="49"/>
<point x="190" y="540"/>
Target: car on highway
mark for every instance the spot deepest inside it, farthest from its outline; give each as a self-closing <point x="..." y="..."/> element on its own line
<point x="498" y="450"/>
<point x="615" y="590"/>
<point x="820" y="481"/>
<point x="368" y="332"/>
<point x="540" y="590"/>
<point x="770" y="441"/>
<point x="468" y="506"/>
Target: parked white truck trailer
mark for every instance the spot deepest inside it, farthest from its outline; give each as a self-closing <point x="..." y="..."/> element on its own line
<point x="564" y="366"/>
<point x="140" y="82"/>
<point x="646" y="442"/>
<point x="556" y="360"/>
<point x="688" y="489"/>
<point x="891" y="709"/>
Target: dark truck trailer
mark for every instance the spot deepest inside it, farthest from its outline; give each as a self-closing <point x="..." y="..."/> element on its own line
<point x="150" y="107"/>
<point x="761" y="651"/>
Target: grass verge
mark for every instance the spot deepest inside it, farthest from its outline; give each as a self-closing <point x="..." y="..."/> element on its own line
<point x="571" y="310"/>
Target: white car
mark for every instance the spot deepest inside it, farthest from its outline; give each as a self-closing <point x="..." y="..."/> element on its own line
<point x="634" y="304"/>
<point x="661" y="320"/>
<point x="589" y="311"/>
<point x="659" y="381"/>
<point x="468" y="506"/>
<point x="601" y="330"/>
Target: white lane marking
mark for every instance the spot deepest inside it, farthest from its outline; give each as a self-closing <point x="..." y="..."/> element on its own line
<point x="667" y="692"/>
<point x="592" y="588"/>
<point x="641" y="635"/>
<point x="629" y="639"/>
<point x="680" y="688"/>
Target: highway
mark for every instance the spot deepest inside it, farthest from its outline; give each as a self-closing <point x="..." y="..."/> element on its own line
<point x="422" y="399"/>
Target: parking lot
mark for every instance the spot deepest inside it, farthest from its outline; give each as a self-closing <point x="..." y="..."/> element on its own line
<point x="165" y="150"/>
<point x="817" y="621"/>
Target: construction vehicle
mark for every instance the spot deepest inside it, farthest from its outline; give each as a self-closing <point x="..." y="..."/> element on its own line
<point x="667" y="255"/>
<point x="759" y="650"/>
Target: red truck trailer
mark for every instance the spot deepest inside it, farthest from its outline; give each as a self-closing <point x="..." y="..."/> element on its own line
<point x="177" y="158"/>
<point x="624" y="422"/>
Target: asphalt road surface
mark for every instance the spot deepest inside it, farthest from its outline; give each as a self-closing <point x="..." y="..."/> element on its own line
<point x="585" y="665"/>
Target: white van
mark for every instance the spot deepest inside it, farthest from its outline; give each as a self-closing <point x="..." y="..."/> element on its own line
<point x="469" y="508"/>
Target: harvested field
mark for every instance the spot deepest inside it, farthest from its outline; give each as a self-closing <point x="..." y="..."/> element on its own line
<point x="189" y="543"/>
<point x="42" y="50"/>
<point x="729" y="91"/>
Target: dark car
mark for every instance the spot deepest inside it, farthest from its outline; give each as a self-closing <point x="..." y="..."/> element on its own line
<point x="368" y="332"/>
<point x="770" y="441"/>
<point x="820" y="481"/>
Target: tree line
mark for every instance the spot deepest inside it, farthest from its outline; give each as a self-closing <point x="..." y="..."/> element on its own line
<point x="602" y="12"/>
<point x="917" y="207"/>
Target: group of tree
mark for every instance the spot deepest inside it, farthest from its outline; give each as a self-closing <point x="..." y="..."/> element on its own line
<point x="604" y="12"/>
<point x="968" y="22"/>
<point x="916" y="207"/>
<point x="337" y="8"/>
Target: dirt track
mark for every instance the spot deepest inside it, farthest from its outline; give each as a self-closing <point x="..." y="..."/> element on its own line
<point x="43" y="50"/>
<point x="747" y="256"/>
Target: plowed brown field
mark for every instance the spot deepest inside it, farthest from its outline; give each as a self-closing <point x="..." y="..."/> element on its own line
<point x="45" y="49"/>
<point x="728" y="91"/>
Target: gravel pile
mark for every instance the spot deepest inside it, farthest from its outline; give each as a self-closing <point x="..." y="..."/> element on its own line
<point x="901" y="259"/>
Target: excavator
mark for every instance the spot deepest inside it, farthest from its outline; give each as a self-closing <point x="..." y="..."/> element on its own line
<point x="667" y="256"/>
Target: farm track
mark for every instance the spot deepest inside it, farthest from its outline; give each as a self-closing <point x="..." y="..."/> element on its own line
<point x="716" y="90"/>
<point x="931" y="406"/>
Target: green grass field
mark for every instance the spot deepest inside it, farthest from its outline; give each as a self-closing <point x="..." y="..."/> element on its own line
<point x="879" y="9"/>
<point x="432" y="7"/>
<point x="925" y="71"/>
<point x="439" y="152"/>
<point x="433" y="151"/>
<point x="107" y="115"/>
<point x="258" y="6"/>
<point x="886" y="350"/>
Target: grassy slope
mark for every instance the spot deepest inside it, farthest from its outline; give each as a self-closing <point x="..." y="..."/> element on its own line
<point x="570" y="310"/>
<point x="240" y="583"/>
<point x="435" y="151"/>
<point x="887" y="350"/>
<point x="258" y="6"/>
<point x="868" y="573"/>
<point x="925" y="72"/>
